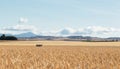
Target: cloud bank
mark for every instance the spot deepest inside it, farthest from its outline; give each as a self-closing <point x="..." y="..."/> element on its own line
<point x="17" y="29"/>
<point x="96" y="31"/>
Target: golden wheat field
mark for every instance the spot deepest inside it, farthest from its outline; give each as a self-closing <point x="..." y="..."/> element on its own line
<point x="59" y="55"/>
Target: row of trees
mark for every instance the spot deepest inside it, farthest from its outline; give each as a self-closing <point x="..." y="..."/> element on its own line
<point x="3" y="37"/>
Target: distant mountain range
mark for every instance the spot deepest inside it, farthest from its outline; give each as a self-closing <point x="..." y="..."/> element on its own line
<point x="32" y="36"/>
<point x="27" y="34"/>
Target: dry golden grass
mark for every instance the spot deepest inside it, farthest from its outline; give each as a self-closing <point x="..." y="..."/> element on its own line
<point x="58" y="43"/>
<point x="24" y="55"/>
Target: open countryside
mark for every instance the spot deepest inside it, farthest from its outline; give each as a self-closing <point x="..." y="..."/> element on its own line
<point x="59" y="34"/>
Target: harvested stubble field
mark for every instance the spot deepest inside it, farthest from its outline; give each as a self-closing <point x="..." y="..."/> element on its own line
<point x="59" y="55"/>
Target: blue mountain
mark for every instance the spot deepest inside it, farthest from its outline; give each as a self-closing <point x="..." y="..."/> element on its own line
<point x="27" y="34"/>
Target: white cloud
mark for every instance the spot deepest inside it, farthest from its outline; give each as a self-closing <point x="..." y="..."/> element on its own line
<point x="19" y="29"/>
<point x="66" y="31"/>
<point x="23" y="20"/>
<point x="60" y="32"/>
<point x="49" y="33"/>
<point x="98" y="31"/>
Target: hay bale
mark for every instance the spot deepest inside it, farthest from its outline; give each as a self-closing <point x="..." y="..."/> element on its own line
<point x="39" y="45"/>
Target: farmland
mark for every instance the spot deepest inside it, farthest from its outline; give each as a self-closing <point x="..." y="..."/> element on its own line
<point x="59" y="55"/>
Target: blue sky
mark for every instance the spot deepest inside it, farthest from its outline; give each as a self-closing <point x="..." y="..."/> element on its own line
<point x="56" y="14"/>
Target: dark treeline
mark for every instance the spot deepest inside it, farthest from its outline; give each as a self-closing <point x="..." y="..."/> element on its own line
<point x="3" y="37"/>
